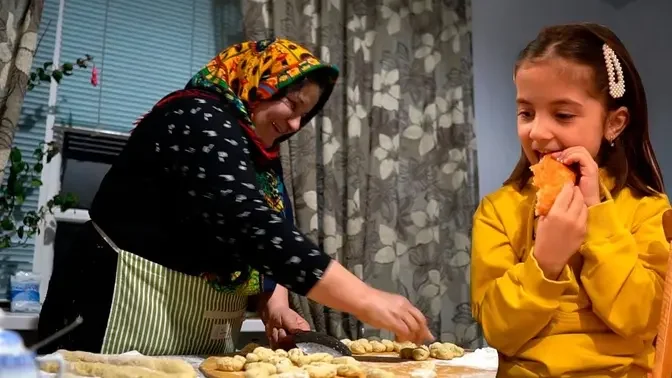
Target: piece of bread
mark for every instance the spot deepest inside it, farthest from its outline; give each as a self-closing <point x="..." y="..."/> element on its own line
<point x="549" y="176"/>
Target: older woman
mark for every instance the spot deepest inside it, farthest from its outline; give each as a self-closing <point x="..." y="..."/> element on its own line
<point x="202" y="167"/>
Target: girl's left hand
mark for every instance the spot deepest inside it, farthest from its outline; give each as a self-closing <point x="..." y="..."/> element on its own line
<point x="589" y="180"/>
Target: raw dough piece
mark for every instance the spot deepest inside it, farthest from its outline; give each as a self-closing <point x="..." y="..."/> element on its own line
<point x="346" y="342"/>
<point x="420" y="353"/>
<point x="101" y="370"/>
<point x="281" y="353"/>
<point x="377" y="347"/>
<point x="350" y="371"/>
<point x="252" y="357"/>
<point x="295" y="355"/>
<point x="160" y="364"/>
<point x="345" y="360"/>
<point x="322" y="370"/>
<point x="399" y="346"/>
<point x="357" y="347"/>
<point x="270" y="368"/>
<point x="445" y="351"/>
<point x="264" y="353"/>
<point x="288" y="369"/>
<point x="234" y="363"/>
<point x="389" y="345"/>
<point x="257" y="373"/>
<point x="367" y="345"/>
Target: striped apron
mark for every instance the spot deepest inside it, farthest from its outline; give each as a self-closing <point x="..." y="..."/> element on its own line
<point x="159" y="311"/>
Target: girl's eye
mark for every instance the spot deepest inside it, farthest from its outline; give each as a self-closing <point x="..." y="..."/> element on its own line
<point x="565" y="116"/>
<point x="524" y="114"/>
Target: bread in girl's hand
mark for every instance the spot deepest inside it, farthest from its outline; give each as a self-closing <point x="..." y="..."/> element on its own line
<point x="549" y="176"/>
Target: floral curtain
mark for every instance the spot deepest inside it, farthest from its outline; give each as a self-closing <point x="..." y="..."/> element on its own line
<point x="19" y="22"/>
<point x="385" y="180"/>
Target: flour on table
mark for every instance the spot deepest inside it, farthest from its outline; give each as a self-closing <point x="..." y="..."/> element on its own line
<point x="482" y="358"/>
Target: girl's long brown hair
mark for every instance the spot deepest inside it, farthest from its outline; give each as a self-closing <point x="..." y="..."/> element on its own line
<point x="631" y="161"/>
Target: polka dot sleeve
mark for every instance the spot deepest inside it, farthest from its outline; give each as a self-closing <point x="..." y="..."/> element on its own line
<point x="203" y="142"/>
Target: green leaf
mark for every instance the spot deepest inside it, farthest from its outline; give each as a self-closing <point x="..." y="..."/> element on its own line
<point x="38" y="167"/>
<point x="20" y="198"/>
<point x="47" y="65"/>
<point x="5" y="242"/>
<point x="7" y="224"/>
<point x="15" y="155"/>
<point x="67" y="67"/>
<point x="57" y="75"/>
<point x="42" y="75"/>
<point x="19" y="232"/>
<point x="30" y="86"/>
<point x="33" y="76"/>
<point x="35" y="183"/>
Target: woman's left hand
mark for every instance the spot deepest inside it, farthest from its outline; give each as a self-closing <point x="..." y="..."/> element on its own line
<point x="589" y="180"/>
<point x="281" y="321"/>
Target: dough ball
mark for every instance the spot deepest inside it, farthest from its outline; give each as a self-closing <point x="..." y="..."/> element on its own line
<point x="378" y="347"/>
<point x="257" y="373"/>
<point x="270" y="368"/>
<point x="295" y="355"/>
<point x="321" y="357"/>
<point x="235" y="363"/>
<point x="346" y="342"/>
<point x="281" y="353"/>
<point x="264" y="353"/>
<point x="350" y="371"/>
<point x="420" y="353"/>
<point x="389" y="345"/>
<point x="357" y="347"/>
<point x="252" y="357"/>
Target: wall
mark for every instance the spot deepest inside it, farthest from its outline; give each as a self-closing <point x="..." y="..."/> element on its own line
<point x="502" y="28"/>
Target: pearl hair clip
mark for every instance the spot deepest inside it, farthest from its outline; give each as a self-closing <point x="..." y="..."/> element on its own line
<point x="614" y="71"/>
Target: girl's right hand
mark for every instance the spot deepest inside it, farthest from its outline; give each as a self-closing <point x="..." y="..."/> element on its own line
<point x="561" y="232"/>
<point x="396" y="314"/>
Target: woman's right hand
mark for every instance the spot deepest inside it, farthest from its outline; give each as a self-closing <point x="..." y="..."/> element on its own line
<point x="341" y="290"/>
<point x="561" y="232"/>
<point x="395" y="313"/>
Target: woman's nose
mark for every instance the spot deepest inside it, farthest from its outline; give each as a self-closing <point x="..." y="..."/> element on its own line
<point x="294" y="124"/>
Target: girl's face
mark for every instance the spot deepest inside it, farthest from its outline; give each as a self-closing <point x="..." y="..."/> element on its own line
<point x="273" y="119"/>
<point x="558" y="107"/>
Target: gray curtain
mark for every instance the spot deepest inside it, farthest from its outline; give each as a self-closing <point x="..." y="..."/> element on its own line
<point x="385" y="180"/>
<point x="19" y="23"/>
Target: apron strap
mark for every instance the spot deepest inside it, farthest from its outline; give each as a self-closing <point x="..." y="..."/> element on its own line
<point x="107" y="239"/>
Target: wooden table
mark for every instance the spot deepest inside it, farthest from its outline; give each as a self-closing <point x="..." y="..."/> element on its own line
<point x="386" y="361"/>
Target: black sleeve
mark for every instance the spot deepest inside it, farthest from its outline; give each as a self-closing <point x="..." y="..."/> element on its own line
<point x="201" y="141"/>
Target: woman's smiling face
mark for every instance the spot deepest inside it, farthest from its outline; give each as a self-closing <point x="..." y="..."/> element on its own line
<point x="275" y="118"/>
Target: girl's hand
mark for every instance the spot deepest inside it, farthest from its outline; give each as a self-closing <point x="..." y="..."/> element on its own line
<point x="561" y="232"/>
<point x="589" y="180"/>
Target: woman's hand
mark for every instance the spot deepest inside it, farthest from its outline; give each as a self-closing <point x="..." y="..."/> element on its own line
<point x="589" y="181"/>
<point x="282" y="321"/>
<point x="279" y="319"/>
<point x="561" y="232"/>
<point x="396" y="314"/>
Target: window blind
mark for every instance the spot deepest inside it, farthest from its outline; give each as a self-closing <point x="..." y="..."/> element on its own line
<point x="144" y="50"/>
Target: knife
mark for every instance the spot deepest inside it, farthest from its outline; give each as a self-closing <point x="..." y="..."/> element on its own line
<point x="315" y="342"/>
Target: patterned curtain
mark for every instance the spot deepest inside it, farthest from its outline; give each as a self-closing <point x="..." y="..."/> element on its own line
<point x="19" y="22"/>
<point x="385" y="180"/>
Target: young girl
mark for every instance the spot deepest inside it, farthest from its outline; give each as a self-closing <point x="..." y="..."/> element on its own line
<point x="576" y="293"/>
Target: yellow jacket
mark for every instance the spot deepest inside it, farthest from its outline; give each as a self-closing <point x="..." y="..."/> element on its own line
<point x="599" y="318"/>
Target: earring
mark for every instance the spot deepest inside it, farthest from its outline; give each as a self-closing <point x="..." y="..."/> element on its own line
<point x="611" y="142"/>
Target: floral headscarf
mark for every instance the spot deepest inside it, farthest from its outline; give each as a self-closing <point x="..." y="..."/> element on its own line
<point x="254" y="71"/>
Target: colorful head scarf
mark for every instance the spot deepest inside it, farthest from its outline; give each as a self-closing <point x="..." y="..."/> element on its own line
<point x="253" y="71"/>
